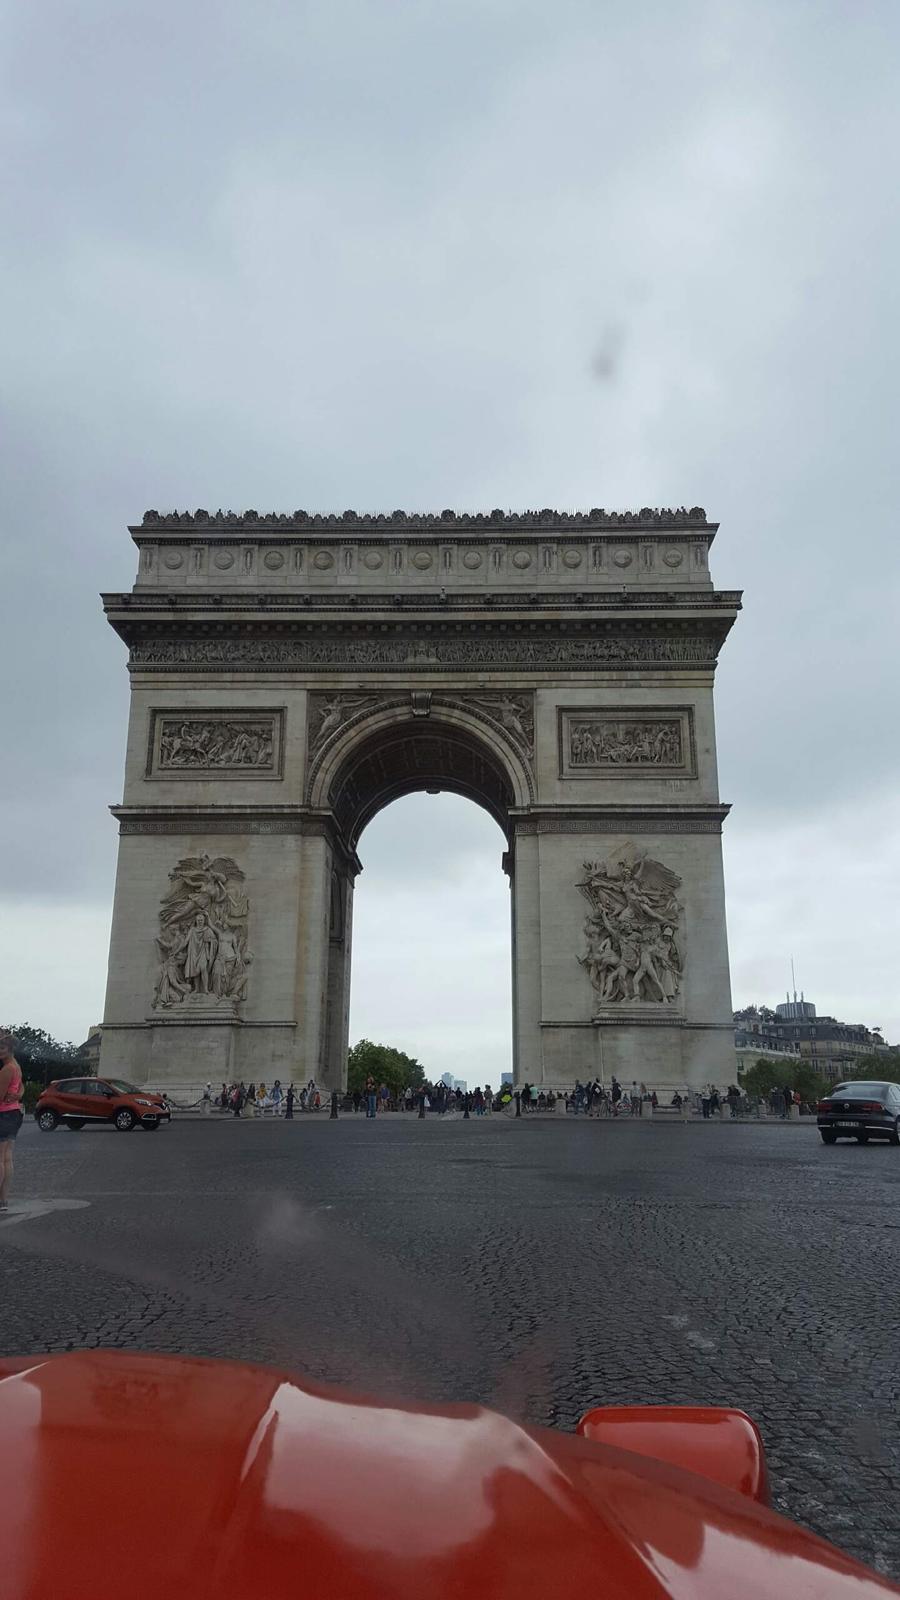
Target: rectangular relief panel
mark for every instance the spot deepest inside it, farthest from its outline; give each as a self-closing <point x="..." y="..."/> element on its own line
<point x="602" y="742"/>
<point x="239" y="743"/>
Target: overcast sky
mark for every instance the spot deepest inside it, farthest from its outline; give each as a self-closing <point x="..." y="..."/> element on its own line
<point x="477" y="253"/>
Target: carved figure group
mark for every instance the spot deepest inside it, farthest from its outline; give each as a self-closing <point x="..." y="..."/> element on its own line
<point x="390" y="653"/>
<point x="597" y="743"/>
<point x="515" y="713"/>
<point x="631" y="932"/>
<point x="328" y="713"/>
<point x="202" y="941"/>
<point x="198" y="744"/>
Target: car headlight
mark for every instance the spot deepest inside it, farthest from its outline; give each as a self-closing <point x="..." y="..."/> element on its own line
<point x="139" y="1102"/>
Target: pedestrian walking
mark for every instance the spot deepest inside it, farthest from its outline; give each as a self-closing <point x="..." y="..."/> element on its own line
<point x="635" y="1098"/>
<point x="11" y="1114"/>
<point x="289" y="1104"/>
<point x="238" y="1096"/>
<point x="371" y="1097"/>
<point x="277" y="1097"/>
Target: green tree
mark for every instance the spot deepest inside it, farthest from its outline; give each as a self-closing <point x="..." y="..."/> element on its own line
<point x="41" y="1057"/>
<point x="766" y="1075"/>
<point x="879" y="1067"/>
<point x="385" y="1065"/>
<point x="760" y="1079"/>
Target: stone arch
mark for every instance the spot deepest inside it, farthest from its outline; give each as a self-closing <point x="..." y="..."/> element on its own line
<point x="394" y="749"/>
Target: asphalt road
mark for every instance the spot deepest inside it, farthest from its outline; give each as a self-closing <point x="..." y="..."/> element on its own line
<point x="539" y="1266"/>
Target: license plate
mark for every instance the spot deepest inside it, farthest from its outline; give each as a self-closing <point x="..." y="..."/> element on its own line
<point x="847" y="1124"/>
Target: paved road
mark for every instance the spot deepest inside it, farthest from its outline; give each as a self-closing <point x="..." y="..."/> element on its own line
<point x="539" y="1266"/>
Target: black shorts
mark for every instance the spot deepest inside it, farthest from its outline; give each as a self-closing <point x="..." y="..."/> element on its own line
<point x="10" y="1123"/>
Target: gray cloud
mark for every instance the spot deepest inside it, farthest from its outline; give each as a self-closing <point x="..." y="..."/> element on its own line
<point x="360" y="254"/>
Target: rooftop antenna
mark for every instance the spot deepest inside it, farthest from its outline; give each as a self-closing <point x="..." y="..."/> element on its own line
<point x="793" y="980"/>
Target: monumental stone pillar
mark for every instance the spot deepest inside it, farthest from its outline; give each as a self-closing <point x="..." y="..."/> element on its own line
<point x="291" y="675"/>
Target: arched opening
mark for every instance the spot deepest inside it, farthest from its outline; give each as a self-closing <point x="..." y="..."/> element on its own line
<point x="389" y="754"/>
<point x="412" y="756"/>
<point x="431" y="938"/>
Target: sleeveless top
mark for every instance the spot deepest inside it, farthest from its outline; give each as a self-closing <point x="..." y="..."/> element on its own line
<point x="13" y="1094"/>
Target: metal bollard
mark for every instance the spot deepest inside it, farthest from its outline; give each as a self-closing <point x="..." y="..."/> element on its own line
<point x="518" y="1100"/>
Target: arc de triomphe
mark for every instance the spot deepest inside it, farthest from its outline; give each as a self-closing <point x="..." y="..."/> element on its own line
<point x="291" y="675"/>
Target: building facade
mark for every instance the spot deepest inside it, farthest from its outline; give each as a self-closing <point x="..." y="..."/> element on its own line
<point x="830" y="1047"/>
<point x="291" y="675"/>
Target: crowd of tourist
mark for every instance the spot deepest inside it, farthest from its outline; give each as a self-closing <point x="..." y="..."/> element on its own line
<point x="593" y="1099"/>
<point x="256" y="1100"/>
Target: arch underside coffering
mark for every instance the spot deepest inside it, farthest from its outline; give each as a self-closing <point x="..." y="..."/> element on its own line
<point x="411" y="758"/>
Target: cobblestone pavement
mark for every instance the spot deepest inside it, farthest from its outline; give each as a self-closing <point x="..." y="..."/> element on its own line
<point x="538" y="1266"/>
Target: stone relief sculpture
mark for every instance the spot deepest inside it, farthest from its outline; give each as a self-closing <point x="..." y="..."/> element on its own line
<point x="329" y="712"/>
<point x="631" y="932"/>
<point x="514" y="712"/>
<point x="501" y="652"/>
<point x="196" y="744"/>
<point x="202" y="939"/>
<point x="600" y="743"/>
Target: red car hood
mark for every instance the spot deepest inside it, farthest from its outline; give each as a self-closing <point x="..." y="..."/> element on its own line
<point x="133" y="1476"/>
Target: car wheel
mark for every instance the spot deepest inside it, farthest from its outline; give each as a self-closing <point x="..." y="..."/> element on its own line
<point x="151" y="1127"/>
<point x="124" y="1120"/>
<point x="828" y="1136"/>
<point x="47" y="1120"/>
<point x="75" y="1122"/>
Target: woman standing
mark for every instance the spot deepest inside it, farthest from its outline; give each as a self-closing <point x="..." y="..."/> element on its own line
<point x="10" y="1113"/>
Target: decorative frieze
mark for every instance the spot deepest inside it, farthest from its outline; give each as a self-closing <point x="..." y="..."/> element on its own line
<point x="611" y="743"/>
<point x="215" y="744"/>
<point x="502" y="651"/>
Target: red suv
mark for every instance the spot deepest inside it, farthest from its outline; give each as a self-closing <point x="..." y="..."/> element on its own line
<point x="76" y="1101"/>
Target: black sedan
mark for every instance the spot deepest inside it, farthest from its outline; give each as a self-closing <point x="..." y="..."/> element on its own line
<point x="860" y="1111"/>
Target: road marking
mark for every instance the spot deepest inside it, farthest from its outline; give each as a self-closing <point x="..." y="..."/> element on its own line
<point x="27" y="1210"/>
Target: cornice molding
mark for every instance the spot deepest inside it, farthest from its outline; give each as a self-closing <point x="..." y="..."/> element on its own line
<point x="622" y="819"/>
<point x="159" y="604"/>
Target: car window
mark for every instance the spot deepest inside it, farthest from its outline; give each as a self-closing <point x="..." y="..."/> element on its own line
<point x="72" y="1086"/>
<point x="91" y="1086"/>
<point x="860" y="1091"/>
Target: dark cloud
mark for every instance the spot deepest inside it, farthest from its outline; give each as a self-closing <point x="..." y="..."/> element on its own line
<point x="331" y="254"/>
